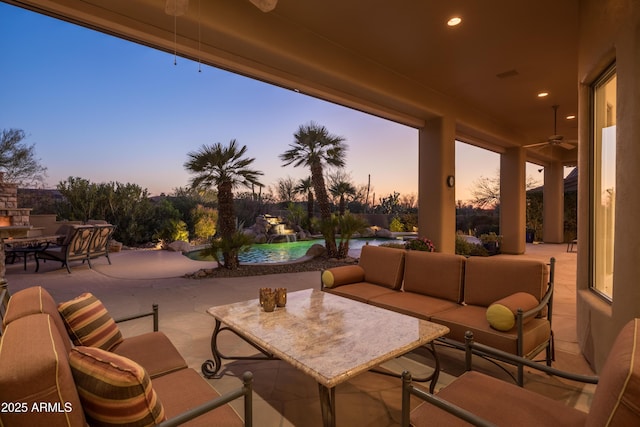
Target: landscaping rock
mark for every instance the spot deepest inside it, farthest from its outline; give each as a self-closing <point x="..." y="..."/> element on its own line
<point x="384" y="233"/>
<point x="316" y="250"/>
<point x="179" y="246"/>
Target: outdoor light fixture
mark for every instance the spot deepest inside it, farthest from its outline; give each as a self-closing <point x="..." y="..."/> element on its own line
<point x="454" y="21"/>
<point x="265" y="5"/>
<point x="543" y="94"/>
<point x="451" y="181"/>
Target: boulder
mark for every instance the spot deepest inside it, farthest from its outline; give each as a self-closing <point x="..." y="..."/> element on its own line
<point x="179" y="246"/>
<point x="384" y="233"/>
<point x="260" y="238"/>
<point x="316" y="250"/>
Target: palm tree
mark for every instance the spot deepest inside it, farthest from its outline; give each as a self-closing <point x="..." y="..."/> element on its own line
<point x="225" y="168"/>
<point x="315" y="147"/>
<point x="305" y="186"/>
<point x="341" y="189"/>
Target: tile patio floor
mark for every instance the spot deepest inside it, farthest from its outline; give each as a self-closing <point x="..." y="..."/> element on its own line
<point x="284" y="396"/>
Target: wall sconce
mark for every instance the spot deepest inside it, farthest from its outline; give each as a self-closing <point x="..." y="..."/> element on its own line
<point x="451" y="181"/>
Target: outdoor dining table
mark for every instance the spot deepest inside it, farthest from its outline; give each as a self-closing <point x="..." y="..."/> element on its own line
<point x="25" y="246"/>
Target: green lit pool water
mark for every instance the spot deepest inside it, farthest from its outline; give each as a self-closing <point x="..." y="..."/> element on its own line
<point x="283" y="252"/>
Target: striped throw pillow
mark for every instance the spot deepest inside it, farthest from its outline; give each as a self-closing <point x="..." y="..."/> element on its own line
<point x="88" y="322"/>
<point x="114" y="390"/>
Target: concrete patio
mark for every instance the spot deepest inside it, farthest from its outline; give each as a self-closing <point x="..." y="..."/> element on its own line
<point x="284" y="396"/>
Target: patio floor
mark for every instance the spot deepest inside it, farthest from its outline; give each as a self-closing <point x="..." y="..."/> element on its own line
<point x="284" y="396"/>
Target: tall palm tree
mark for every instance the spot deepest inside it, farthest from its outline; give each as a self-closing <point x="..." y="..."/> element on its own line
<point x="341" y="189"/>
<point x="225" y="168"/>
<point x="315" y="147"/>
<point x="305" y="186"/>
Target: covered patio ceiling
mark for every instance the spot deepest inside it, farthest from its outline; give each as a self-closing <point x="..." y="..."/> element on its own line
<point x="394" y="59"/>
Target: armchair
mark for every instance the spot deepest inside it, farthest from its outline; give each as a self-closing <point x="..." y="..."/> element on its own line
<point x="481" y="400"/>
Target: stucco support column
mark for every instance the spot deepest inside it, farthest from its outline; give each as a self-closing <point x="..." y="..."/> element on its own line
<point x="436" y="161"/>
<point x="553" y="214"/>
<point x="513" y="201"/>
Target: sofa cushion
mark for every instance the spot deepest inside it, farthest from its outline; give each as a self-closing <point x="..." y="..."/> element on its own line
<point x="34" y="370"/>
<point x="145" y="348"/>
<point x="88" y="322"/>
<point x="342" y="275"/>
<point x="412" y="304"/>
<point x="36" y="300"/>
<point x="362" y="291"/>
<point x="490" y="279"/>
<point x="435" y="274"/>
<point x="193" y="391"/>
<point x="615" y="401"/>
<point x="382" y="266"/>
<point x="114" y="390"/>
<point x="473" y="318"/>
<point x="501" y="315"/>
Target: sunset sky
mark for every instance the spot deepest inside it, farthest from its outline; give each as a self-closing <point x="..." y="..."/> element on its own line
<point x="106" y="109"/>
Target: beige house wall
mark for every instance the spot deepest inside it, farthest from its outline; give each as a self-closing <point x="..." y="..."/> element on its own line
<point x="610" y="31"/>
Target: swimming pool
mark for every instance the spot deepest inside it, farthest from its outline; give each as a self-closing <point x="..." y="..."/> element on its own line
<point x="283" y="252"/>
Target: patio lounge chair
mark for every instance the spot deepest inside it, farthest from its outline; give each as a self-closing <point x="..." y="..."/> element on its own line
<point x="75" y="247"/>
<point x="478" y="399"/>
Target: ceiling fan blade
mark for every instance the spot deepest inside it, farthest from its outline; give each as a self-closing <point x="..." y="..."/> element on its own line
<point x="567" y="146"/>
<point x="537" y="144"/>
<point x="265" y="5"/>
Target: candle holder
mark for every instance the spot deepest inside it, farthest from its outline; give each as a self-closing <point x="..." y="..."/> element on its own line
<point x="263" y="291"/>
<point x="269" y="301"/>
<point x="281" y="297"/>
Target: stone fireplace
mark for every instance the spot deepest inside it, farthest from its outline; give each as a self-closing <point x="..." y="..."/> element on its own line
<point x="14" y="221"/>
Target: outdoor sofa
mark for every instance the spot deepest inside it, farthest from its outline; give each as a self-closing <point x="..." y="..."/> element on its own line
<point x="505" y="302"/>
<point x="79" y="243"/>
<point x="100" y="378"/>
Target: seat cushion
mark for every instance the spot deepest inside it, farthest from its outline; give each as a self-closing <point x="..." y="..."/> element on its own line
<point x="114" y="390"/>
<point x="412" y="304"/>
<point x="88" y="322"/>
<point x="34" y="370"/>
<point x="500" y="402"/>
<point x="615" y="401"/>
<point x="193" y="390"/>
<point x="36" y="300"/>
<point x="473" y="318"/>
<point x="144" y="349"/>
<point x="362" y="291"/>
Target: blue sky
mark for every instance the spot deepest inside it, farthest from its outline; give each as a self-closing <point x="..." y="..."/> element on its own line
<point x="106" y="109"/>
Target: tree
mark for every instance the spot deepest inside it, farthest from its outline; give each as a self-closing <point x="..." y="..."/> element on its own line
<point x="305" y="186"/>
<point x="486" y="191"/>
<point x="341" y="189"/>
<point x="225" y="168"/>
<point x="316" y="148"/>
<point x="18" y="160"/>
<point x="286" y="190"/>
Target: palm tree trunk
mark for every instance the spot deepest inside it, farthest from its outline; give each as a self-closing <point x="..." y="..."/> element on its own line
<point x="309" y="209"/>
<point x="325" y="208"/>
<point x="227" y="221"/>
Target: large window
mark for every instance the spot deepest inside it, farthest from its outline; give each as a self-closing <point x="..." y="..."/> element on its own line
<point x="603" y="164"/>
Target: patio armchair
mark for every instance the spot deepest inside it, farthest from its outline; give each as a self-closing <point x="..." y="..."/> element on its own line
<point x="74" y="247"/>
<point x="478" y="399"/>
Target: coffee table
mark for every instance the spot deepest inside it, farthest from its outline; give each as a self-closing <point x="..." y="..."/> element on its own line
<point x="326" y="336"/>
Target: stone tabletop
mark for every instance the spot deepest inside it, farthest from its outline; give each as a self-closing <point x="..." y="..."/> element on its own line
<point x="330" y="338"/>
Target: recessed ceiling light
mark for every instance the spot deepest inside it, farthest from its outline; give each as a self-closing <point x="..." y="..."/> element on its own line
<point x="571" y="117"/>
<point x="543" y="94"/>
<point x="454" y="21"/>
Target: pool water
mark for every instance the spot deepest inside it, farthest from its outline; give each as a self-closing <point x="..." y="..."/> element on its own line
<point x="283" y="252"/>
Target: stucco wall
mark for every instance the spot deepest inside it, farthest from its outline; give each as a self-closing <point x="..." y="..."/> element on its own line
<point x="610" y="31"/>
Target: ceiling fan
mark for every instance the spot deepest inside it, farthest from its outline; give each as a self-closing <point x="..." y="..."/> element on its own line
<point x="555" y="139"/>
<point x="179" y="7"/>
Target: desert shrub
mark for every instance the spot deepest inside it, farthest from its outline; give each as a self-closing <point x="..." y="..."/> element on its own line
<point x="420" y="244"/>
<point x="396" y="225"/>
